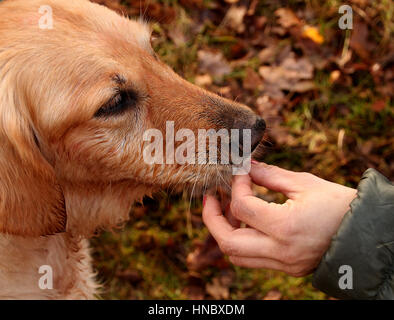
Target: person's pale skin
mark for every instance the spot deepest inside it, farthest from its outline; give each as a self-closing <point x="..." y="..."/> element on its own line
<point x="290" y="237"/>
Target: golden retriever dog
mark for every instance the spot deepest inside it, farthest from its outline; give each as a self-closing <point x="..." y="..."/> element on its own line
<point x="75" y="101"/>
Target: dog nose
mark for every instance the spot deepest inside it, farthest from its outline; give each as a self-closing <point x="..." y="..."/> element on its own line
<point x="257" y="129"/>
<point x="257" y="133"/>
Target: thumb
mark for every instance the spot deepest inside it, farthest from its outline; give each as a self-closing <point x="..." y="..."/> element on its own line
<point x="274" y="178"/>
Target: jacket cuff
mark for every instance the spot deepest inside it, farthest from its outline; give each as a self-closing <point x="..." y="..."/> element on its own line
<point x="359" y="263"/>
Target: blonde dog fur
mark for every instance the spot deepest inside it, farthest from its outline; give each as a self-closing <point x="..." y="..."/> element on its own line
<point x="66" y="171"/>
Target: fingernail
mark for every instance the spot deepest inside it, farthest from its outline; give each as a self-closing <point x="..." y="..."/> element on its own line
<point x="204" y="199"/>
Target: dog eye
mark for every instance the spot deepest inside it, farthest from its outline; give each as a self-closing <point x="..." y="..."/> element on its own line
<point x="119" y="104"/>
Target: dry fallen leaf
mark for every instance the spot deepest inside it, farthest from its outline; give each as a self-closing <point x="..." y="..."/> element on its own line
<point x="194" y="292"/>
<point x="359" y="41"/>
<point x="213" y="63"/>
<point x="131" y="276"/>
<point x="206" y="254"/>
<point x="313" y="34"/>
<point x="217" y="290"/>
<point x="366" y="147"/>
<point x="177" y="36"/>
<point x="334" y="76"/>
<point x="192" y="3"/>
<point x="379" y="105"/>
<point x="265" y="106"/>
<point x="291" y="74"/>
<point x="252" y="7"/>
<point x="273" y="295"/>
<point x="282" y="136"/>
<point x="252" y="80"/>
<point x="267" y="55"/>
<point x="219" y="287"/>
<point x="259" y="21"/>
<point x="203" y="80"/>
<point x="317" y="142"/>
<point x="287" y="18"/>
<point x="234" y="18"/>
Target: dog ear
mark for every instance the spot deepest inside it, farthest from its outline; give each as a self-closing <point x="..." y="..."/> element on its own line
<point x="31" y="201"/>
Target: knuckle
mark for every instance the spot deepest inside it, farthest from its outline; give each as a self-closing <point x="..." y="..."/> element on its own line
<point x="236" y="207"/>
<point x="270" y="167"/>
<point x="234" y="260"/>
<point x="289" y="257"/>
<point x="272" y="170"/>
<point x="297" y="271"/>
<point x="307" y="176"/>
<point x="227" y="247"/>
<point x="238" y="261"/>
<point x="294" y="270"/>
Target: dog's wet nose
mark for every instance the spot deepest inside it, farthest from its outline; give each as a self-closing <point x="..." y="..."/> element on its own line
<point x="257" y="129"/>
<point x="257" y="133"/>
<point x="233" y="116"/>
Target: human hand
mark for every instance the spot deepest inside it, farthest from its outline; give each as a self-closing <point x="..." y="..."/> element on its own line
<point x="290" y="237"/>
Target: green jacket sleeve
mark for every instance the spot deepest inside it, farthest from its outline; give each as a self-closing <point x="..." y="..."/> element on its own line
<point x="359" y="263"/>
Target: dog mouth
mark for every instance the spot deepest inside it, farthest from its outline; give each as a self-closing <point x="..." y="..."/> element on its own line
<point x="206" y="159"/>
<point x="196" y="179"/>
<point x="220" y="181"/>
<point x="223" y="186"/>
<point x="259" y="152"/>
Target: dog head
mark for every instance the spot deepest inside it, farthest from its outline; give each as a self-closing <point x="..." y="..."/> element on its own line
<point x="77" y="99"/>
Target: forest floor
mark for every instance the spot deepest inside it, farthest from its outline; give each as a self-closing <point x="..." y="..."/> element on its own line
<point x="326" y="95"/>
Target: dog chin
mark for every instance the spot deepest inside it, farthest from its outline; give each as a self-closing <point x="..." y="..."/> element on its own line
<point x="217" y="179"/>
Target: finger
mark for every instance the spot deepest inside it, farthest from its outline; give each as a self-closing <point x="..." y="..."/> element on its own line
<point x="232" y="241"/>
<point x="258" y="263"/>
<point x="225" y="206"/>
<point x="254" y="211"/>
<point x="213" y="218"/>
<point x="274" y="178"/>
<point x="248" y="242"/>
<point x="241" y="186"/>
<point x="230" y="217"/>
<point x="266" y="217"/>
